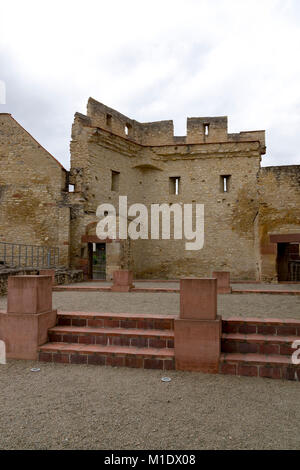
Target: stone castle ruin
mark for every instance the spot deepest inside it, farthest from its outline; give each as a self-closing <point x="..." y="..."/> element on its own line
<point x="252" y="213"/>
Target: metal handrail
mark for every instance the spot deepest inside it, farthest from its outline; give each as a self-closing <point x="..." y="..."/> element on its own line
<point x="21" y="255"/>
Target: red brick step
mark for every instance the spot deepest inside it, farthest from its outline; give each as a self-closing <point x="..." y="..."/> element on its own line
<point x="258" y="343"/>
<point x="118" y="356"/>
<point x="113" y="336"/>
<point x="259" y="365"/>
<point x="265" y="326"/>
<point x="117" y="320"/>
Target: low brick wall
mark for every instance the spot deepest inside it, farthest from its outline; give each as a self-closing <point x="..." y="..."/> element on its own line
<point x="62" y="276"/>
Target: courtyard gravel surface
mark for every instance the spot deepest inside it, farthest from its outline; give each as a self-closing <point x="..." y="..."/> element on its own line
<point x="286" y="287"/>
<point x="243" y="305"/>
<point x="176" y="285"/>
<point x="90" y="407"/>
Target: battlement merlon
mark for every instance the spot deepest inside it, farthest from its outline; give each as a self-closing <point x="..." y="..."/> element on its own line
<point x="199" y="129"/>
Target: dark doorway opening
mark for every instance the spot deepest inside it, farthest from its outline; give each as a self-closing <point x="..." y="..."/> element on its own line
<point x="288" y="262"/>
<point x="97" y="260"/>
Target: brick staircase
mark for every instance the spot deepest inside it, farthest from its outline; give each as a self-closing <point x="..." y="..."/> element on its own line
<point x="249" y="347"/>
<point x="123" y="339"/>
<point x="259" y="348"/>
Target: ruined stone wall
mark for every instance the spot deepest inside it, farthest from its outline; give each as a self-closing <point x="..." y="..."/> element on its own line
<point x="33" y="192"/>
<point x="94" y="155"/>
<point x="229" y="217"/>
<point x="36" y="207"/>
<point x="150" y="133"/>
<point x="146" y="160"/>
<point x="279" y="212"/>
<point x="162" y="132"/>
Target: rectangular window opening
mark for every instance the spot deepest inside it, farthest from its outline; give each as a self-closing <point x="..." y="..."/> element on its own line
<point x="115" y="179"/>
<point x="174" y="185"/>
<point x="128" y="130"/>
<point x="225" y="183"/>
<point x="71" y="188"/>
<point x="206" y="129"/>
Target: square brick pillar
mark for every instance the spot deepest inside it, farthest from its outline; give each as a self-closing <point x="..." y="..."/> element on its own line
<point x="198" y="329"/>
<point x="24" y="327"/>
<point x="223" y="278"/>
<point x="48" y="272"/>
<point x="123" y="281"/>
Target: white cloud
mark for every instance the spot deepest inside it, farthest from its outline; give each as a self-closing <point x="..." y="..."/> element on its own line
<point x="154" y="60"/>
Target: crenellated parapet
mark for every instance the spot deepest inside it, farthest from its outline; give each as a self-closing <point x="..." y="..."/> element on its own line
<point x="200" y="130"/>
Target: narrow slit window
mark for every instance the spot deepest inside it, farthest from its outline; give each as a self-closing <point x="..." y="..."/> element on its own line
<point x="127" y="130"/>
<point x="206" y="129"/>
<point x="108" y="120"/>
<point x="174" y="185"/>
<point x="115" y="180"/>
<point x="225" y="183"/>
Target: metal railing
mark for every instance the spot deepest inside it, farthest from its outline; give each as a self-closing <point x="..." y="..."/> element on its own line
<point x="19" y="255"/>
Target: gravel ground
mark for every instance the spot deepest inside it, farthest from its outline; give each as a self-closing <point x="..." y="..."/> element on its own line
<point x="244" y="305"/>
<point x="89" y="407"/>
<point x="175" y="285"/>
<point x="266" y="286"/>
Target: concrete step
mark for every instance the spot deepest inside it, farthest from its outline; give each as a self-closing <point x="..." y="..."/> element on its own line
<point x="141" y="338"/>
<point x="258" y="343"/>
<point x="259" y="365"/>
<point x="116" y="320"/>
<point x="117" y="356"/>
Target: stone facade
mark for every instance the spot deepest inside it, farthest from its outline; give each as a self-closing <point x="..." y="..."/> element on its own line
<point x="279" y="216"/>
<point x="113" y="155"/>
<point x="34" y="206"/>
<point x="146" y="157"/>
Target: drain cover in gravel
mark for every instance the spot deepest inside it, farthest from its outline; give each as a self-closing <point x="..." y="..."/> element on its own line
<point x="35" y="369"/>
<point x="166" y="379"/>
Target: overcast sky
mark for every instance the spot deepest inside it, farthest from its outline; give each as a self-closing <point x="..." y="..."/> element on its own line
<point x="154" y="60"/>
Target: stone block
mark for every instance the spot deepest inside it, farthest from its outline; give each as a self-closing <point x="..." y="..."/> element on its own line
<point x="198" y="299"/>
<point x="48" y="272"/>
<point x="122" y="281"/>
<point x="24" y="333"/>
<point x="223" y="281"/>
<point x="29" y="294"/>
<point x="198" y="345"/>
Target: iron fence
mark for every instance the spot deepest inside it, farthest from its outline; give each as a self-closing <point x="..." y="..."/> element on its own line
<point x="19" y="255"/>
<point x="294" y="271"/>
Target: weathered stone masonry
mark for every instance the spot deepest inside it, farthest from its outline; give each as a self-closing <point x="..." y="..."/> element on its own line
<point x="34" y="206"/>
<point x="113" y="155"/>
<point x="146" y="159"/>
